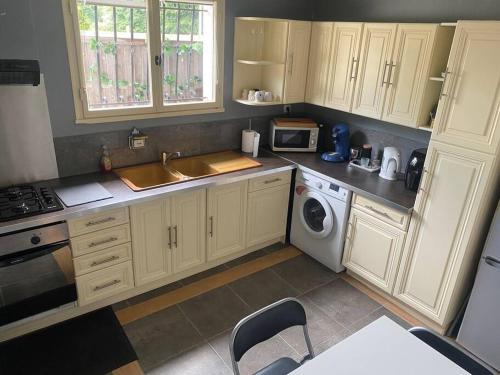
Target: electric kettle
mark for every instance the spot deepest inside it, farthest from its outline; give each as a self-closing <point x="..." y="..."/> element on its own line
<point x="391" y="161"/>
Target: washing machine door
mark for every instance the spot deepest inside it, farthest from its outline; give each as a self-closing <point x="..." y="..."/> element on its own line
<point x="315" y="214"/>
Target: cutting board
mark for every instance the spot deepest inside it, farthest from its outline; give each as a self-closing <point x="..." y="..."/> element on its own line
<point x="83" y="193"/>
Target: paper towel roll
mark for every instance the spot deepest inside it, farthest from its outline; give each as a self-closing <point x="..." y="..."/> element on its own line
<point x="247" y="140"/>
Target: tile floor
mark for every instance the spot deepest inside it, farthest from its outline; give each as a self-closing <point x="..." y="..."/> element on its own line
<point x="192" y="337"/>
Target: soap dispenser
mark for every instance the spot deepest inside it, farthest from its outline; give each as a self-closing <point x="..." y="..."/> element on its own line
<point x="106" y="165"/>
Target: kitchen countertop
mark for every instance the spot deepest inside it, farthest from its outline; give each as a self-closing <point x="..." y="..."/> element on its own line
<point x="124" y="196"/>
<point x="391" y="193"/>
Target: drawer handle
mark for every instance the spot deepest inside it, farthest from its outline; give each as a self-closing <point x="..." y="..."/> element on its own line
<point x="385" y="214"/>
<point x="110" y="239"/>
<point x="102" y="221"/>
<point x="99" y="262"/>
<point x="273" y="180"/>
<point x="107" y="285"/>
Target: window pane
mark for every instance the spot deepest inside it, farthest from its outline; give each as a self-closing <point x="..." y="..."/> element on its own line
<point x="114" y="44"/>
<point x="187" y="36"/>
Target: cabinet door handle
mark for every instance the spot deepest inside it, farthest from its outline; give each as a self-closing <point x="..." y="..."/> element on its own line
<point x="492" y="261"/>
<point x="102" y="221"/>
<point x="175" y="232"/>
<point x="290" y="66"/>
<point x="384" y="214"/>
<point x="97" y="243"/>
<point x="170" y="237"/>
<point x="273" y="180"/>
<point x="107" y="260"/>
<point x="211" y="226"/>
<point x="106" y="285"/>
<point x="383" y="74"/>
<point x="445" y="77"/>
<point x="392" y="74"/>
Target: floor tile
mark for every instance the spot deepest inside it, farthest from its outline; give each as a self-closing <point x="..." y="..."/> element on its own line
<point x="215" y="311"/>
<point x="245" y="258"/>
<point x="320" y="326"/>
<point x="262" y="288"/>
<point x="256" y="358"/>
<point x="154" y="293"/>
<point x="343" y="302"/>
<point x="304" y="273"/>
<point x="202" y="275"/>
<point x="325" y="345"/>
<point x="199" y="360"/>
<point x="374" y="316"/>
<point x="160" y="336"/>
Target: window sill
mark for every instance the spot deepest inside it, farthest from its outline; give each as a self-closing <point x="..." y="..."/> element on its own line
<point x="143" y="116"/>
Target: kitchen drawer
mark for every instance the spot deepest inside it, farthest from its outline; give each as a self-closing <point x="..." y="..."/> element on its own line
<point x="269" y="181"/>
<point x="98" y="221"/>
<point x="389" y="215"/>
<point x="104" y="283"/>
<point x="102" y="259"/>
<point x="102" y="239"/>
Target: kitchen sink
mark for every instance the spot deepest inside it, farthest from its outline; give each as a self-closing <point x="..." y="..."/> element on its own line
<point x="153" y="175"/>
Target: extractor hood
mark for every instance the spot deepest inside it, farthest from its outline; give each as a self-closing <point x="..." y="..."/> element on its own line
<point x="19" y="72"/>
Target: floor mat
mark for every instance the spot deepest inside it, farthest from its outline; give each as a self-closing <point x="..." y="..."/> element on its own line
<point x="94" y="343"/>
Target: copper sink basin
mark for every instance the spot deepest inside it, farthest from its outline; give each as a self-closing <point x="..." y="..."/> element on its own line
<point x="148" y="176"/>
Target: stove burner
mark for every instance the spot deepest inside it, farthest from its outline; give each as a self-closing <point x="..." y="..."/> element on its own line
<point x="21" y="208"/>
<point x="14" y="193"/>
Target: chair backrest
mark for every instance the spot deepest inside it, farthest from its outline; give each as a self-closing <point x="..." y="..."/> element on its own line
<point x="450" y="351"/>
<point x="266" y="323"/>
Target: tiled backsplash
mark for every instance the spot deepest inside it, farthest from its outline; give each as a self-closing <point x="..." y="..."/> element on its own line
<point x="80" y="154"/>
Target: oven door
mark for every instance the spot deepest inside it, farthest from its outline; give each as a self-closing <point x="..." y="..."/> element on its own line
<point x="35" y="281"/>
<point x="291" y="139"/>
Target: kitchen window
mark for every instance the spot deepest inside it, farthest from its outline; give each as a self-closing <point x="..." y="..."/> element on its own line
<point x="133" y="59"/>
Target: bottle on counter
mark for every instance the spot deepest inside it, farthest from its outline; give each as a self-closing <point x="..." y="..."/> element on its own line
<point x="106" y="165"/>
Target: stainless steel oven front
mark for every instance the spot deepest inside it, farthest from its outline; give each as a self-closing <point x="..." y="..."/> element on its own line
<point x="36" y="272"/>
<point x="293" y="137"/>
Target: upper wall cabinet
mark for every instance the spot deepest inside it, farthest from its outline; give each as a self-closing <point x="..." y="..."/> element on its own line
<point x="343" y="65"/>
<point x="319" y="55"/>
<point x="270" y="55"/>
<point x="468" y="114"/>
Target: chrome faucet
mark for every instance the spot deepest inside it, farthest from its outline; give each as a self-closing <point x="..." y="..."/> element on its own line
<point x="167" y="156"/>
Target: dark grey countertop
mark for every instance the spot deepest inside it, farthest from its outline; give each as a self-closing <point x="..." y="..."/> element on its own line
<point x="392" y="193"/>
<point x="123" y="195"/>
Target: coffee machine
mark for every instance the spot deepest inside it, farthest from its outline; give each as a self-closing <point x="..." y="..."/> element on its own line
<point x="340" y="138"/>
<point x="414" y="169"/>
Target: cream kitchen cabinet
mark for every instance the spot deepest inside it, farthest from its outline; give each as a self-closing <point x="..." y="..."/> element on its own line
<point x="267" y="209"/>
<point x="374" y="65"/>
<point x="227" y="215"/>
<point x="469" y="110"/>
<point x="343" y="65"/>
<point x="373" y="249"/>
<point x="168" y="235"/>
<point x="299" y="35"/>
<point x="319" y="55"/>
<point x="442" y="243"/>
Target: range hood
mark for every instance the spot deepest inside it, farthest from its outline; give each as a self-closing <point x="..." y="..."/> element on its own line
<point x="19" y="72"/>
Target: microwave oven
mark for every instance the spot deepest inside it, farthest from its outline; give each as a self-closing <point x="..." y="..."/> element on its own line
<point x="293" y="134"/>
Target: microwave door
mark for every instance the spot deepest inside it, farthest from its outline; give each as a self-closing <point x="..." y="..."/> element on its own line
<point x="36" y="281"/>
<point x="292" y="138"/>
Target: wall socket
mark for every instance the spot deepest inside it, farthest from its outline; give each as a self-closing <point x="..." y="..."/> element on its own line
<point x="287" y="108"/>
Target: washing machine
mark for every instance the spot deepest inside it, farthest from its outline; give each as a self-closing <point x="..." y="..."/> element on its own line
<point x="319" y="218"/>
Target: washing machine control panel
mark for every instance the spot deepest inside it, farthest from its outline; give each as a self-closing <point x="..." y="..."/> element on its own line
<point x="322" y="185"/>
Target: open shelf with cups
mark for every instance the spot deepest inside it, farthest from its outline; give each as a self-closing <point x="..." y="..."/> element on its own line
<point x="260" y="46"/>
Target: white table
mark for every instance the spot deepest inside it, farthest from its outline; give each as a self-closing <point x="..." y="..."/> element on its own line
<point x="381" y="348"/>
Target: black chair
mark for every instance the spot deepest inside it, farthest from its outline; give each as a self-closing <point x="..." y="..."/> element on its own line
<point x="449" y="350"/>
<point x="264" y="324"/>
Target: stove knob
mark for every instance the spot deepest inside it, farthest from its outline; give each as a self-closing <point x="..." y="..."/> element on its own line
<point x="35" y="240"/>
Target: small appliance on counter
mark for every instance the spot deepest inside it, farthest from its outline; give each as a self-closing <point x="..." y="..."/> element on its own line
<point x="293" y="134"/>
<point x="414" y="169"/>
<point x="391" y="161"/>
<point x="250" y="140"/>
<point x="341" y="151"/>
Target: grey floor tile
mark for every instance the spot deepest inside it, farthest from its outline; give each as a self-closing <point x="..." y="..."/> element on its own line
<point x="215" y="311"/>
<point x="160" y="336"/>
<point x="262" y="288"/>
<point x="356" y="326"/>
<point x="320" y="326"/>
<point x="154" y="293"/>
<point x="202" y="275"/>
<point x="245" y="258"/>
<point x="343" y="302"/>
<point x="304" y="273"/>
<point x="259" y="356"/>
<point x="201" y="360"/>
<point x="321" y="347"/>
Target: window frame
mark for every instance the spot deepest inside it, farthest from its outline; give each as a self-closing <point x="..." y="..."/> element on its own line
<point x="157" y="108"/>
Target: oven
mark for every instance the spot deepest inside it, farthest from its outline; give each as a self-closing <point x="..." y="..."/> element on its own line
<point x="36" y="272"/>
<point x="297" y="135"/>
